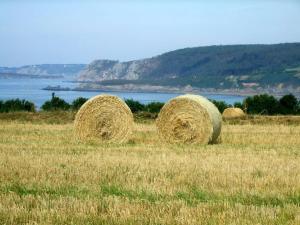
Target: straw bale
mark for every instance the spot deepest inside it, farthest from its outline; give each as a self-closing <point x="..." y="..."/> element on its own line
<point x="189" y="119"/>
<point x="232" y="113"/>
<point x="104" y="117"/>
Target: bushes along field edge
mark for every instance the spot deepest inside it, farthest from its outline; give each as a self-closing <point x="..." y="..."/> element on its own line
<point x="263" y="104"/>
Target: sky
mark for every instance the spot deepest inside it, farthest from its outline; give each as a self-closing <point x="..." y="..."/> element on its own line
<point x="65" y="31"/>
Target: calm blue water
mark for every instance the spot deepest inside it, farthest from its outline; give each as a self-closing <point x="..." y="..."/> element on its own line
<point x="30" y="89"/>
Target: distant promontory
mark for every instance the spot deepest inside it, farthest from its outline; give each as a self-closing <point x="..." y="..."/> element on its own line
<point x="255" y="67"/>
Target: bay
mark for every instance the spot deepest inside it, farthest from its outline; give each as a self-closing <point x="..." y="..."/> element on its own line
<point x="31" y="89"/>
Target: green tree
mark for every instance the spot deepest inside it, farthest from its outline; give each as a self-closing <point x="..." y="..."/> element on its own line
<point x="135" y="106"/>
<point x="14" y="105"/>
<point x="239" y="105"/>
<point x="221" y="105"/>
<point x="1" y="106"/>
<point x="55" y="103"/>
<point x="154" y="107"/>
<point x="78" y="102"/>
<point x="261" y="104"/>
<point x="289" y="104"/>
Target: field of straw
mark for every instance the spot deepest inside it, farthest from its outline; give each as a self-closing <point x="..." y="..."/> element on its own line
<point x="47" y="177"/>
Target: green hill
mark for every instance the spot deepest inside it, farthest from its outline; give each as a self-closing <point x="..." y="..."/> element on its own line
<point x="226" y="66"/>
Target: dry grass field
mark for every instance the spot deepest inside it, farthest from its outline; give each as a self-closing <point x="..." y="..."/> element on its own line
<point x="252" y="177"/>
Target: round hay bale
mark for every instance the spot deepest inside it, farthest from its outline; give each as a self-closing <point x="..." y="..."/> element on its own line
<point x="104" y="117"/>
<point x="232" y="113"/>
<point x="189" y="119"/>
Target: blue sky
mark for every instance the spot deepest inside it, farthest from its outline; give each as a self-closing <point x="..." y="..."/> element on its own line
<point x="35" y="32"/>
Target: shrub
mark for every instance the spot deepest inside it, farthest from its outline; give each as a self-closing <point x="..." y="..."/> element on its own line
<point x="154" y="107"/>
<point x="238" y="105"/>
<point x="55" y="103"/>
<point x="78" y="102"/>
<point x="289" y="104"/>
<point x="221" y="105"/>
<point x="135" y="106"/>
<point x="261" y="104"/>
<point x="15" y="105"/>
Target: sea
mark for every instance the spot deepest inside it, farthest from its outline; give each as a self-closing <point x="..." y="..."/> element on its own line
<point x="31" y="89"/>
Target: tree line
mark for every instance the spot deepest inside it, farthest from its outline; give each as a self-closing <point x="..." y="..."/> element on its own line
<point x="263" y="104"/>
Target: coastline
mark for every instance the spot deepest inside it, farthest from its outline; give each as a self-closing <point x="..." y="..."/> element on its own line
<point x="174" y="90"/>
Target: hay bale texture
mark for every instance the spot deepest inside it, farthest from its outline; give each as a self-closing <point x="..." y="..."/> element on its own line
<point x="233" y="113"/>
<point x="104" y="117"/>
<point x="189" y="119"/>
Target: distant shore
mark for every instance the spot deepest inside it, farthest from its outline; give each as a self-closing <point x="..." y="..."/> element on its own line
<point x="18" y="75"/>
<point x="173" y="90"/>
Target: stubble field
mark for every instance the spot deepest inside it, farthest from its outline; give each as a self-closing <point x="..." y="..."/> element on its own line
<point x="251" y="177"/>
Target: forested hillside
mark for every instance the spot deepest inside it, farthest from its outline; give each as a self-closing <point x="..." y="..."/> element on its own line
<point x="213" y="66"/>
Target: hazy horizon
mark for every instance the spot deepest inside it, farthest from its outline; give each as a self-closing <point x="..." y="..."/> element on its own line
<point x="60" y="63"/>
<point x="62" y="32"/>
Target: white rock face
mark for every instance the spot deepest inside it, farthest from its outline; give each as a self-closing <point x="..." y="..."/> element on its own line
<point x="45" y="69"/>
<point x="101" y="70"/>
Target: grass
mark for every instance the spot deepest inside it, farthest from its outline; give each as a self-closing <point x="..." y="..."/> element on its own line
<point x="48" y="177"/>
<point x="55" y="117"/>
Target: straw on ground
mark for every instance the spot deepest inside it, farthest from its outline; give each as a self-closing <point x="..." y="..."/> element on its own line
<point x="252" y="177"/>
